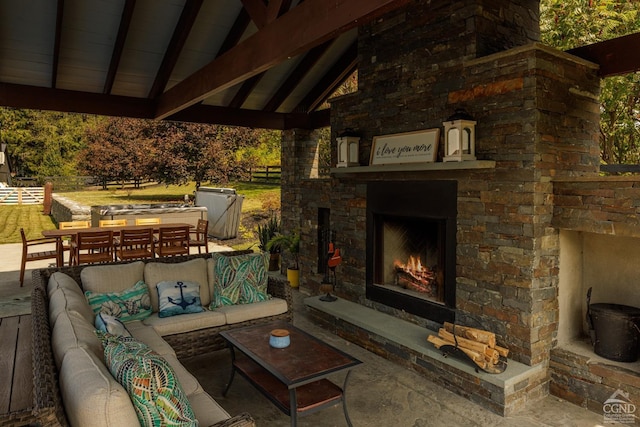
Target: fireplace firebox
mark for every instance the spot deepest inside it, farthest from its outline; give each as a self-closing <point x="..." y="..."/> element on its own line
<point x="411" y="245"/>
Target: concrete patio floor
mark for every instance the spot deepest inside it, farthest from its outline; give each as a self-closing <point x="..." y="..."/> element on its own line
<point x="380" y="393"/>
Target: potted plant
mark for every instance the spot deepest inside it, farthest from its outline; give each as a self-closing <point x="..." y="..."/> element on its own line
<point x="265" y="233"/>
<point x="291" y="244"/>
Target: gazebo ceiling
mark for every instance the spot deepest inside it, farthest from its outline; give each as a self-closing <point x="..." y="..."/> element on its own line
<point x="239" y="62"/>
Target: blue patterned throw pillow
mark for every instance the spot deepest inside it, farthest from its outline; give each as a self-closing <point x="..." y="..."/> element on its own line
<point x="177" y="297"/>
<point x="240" y="279"/>
<point x="133" y="303"/>
<point x="111" y="325"/>
<point x="156" y="394"/>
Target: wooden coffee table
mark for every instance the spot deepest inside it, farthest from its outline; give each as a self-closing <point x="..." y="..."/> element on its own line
<point x="293" y="378"/>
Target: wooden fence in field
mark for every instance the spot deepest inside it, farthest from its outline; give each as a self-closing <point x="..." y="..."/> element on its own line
<point x="269" y="174"/>
<point x="21" y="195"/>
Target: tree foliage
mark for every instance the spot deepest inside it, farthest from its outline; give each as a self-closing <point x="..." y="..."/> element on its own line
<point x="43" y="143"/>
<point x="173" y="152"/>
<point x="566" y="24"/>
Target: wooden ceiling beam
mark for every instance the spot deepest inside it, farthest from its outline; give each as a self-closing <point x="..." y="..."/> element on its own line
<point x="249" y="84"/>
<point x="250" y="118"/>
<point x="245" y="90"/>
<point x="615" y="57"/>
<point x="123" y="30"/>
<point x="303" y="27"/>
<point x="179" y="38"/>
<point x="341" y="70"/>
<point x="257" y="10"/>
<point x="235" y="34"/>
<point x="56" y="44"/>
<point x="201" y="113"/>
<point x="307" y="63"/>
<point x="42" y="98"/>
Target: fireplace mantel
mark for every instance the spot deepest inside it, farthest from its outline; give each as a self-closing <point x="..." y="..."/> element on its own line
<point x="413" y="167"/>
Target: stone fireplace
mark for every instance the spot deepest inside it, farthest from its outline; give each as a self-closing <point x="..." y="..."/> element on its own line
<point x="411" y="244"/>
<point x="524" y="205"/>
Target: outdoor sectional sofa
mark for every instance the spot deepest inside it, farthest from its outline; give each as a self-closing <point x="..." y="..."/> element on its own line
<point x="72" y="384"/>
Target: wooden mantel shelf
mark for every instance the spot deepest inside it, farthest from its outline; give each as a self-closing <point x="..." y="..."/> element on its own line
<point x="416" y="167"/>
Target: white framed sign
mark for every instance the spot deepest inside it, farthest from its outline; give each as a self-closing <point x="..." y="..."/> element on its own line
<point x="409" y="147"/>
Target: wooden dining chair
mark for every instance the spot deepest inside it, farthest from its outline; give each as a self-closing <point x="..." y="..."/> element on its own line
<point x="173" y="241"/>
<point x="31" y="254"/>
<point x="112" y="222"/>
<point x="66" y="243"/>
<point x="136" y="244"/>
<point x="198" y="237"/>
<point x="93" y="247"/>
<point x="148" y="221"/>
<point x="104" y="223"/>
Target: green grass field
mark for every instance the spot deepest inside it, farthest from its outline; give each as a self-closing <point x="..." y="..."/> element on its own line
<point x="258" y="197"/>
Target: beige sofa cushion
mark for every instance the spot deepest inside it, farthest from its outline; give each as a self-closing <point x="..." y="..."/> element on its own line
<point x="194" y="270"/>
<point x="188" y="382"/>
<point x="73" y="331"/>
<point x="185" y="322"/>
<point x="243" y="312"/>
<point x="62" y="281"/>
<point x="63" y="299"/>
<point x="103" y="279"/>
<point x="91" y="396"/>
<point x="206" y="409"/>
<point x="150" y="337"/>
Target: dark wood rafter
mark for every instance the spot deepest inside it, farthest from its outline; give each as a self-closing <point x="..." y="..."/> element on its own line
<point x="180" y="34"/>
<point x="237" y="29"/>
<point x="245" y="90"/>
<point x="200" y="113"/>
<point x="302" y="28"/>
<point x="41" y="98"/>
<point x="56" y="43"/>
<point x="341" y="70"/>
<point x="262" y="14"/>
<point x="127" y="14"/>
<point x="247" y="87"/>
<point x="307" y="63"/>
<point x="615" y="57"/>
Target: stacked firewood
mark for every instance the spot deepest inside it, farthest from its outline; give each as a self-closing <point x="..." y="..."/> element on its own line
<point x="479" y="345"/>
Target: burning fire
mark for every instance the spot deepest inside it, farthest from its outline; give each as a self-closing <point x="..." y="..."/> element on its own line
<point x="413" y="275"/>
<point x="413" y="265"/>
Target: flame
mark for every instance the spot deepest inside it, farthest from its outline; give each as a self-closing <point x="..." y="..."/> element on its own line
<point x="413" y="264"/>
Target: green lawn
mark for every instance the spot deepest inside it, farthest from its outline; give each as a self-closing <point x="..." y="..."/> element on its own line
<point x="258" y="197"/>
<point x="29" y="217"/>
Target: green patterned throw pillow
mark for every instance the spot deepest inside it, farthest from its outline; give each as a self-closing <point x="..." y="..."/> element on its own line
<point x="240" y="279"/>
<point x="130" y="304"/>
<point x="155" y="392"/>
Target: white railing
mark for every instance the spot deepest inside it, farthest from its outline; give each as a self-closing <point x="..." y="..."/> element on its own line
<point x="21" y="195"/>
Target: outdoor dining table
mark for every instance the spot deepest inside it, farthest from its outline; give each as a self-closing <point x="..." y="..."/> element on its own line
<point x="58" y="234"/>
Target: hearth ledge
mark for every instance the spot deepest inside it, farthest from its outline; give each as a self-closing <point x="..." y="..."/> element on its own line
<point x="503" y="393"/>
<point x="413" y="167"/>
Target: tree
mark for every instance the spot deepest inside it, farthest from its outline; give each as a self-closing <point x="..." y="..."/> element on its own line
<point x="117" y="149"/>
<point x="566" y="24"/>
<point x="43" y="143"/>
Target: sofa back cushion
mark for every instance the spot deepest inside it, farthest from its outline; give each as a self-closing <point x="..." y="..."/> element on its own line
<point x="73" y="331"/>
<point x="65" y="300"/>
<point x="194" y="270"/>
<point x="60" y="280"/>
<point x="90" y="394"/>
<point x="103" y="279"/>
